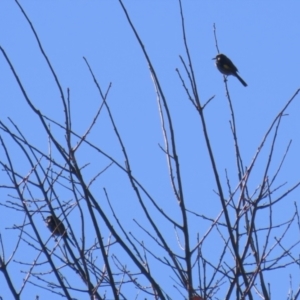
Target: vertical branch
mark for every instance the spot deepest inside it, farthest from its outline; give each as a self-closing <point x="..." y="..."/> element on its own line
<point x="173" y="153"/>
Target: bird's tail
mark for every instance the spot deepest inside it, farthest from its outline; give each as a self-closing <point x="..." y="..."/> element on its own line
<point x="240" y="79"/>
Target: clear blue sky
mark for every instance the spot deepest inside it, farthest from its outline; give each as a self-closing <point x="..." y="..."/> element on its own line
<point x="261" y="38"/>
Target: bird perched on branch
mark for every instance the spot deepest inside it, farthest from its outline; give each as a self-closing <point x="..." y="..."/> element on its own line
<point x="57" y="227"/>
<point x="226" y="67"/>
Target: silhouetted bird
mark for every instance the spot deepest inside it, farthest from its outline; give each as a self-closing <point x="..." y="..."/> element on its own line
<point x="226" y="67"/>
<point x="57" y="227"/>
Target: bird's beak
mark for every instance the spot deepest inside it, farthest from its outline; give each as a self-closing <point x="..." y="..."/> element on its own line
<point x="214" y="58"/>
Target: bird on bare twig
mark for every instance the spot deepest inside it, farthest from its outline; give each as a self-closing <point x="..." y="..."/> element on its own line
<point x="57" y="227"/>
<point x="226" y="67"/>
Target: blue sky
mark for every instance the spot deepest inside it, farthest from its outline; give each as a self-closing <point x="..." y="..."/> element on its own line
<point x="261" y="38"/>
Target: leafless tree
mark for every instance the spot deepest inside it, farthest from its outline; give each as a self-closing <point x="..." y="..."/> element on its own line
<point x="123" y="264"/>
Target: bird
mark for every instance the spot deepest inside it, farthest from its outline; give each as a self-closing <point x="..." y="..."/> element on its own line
<point x="226" y="67"/>
<point x="56" y="227"/>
